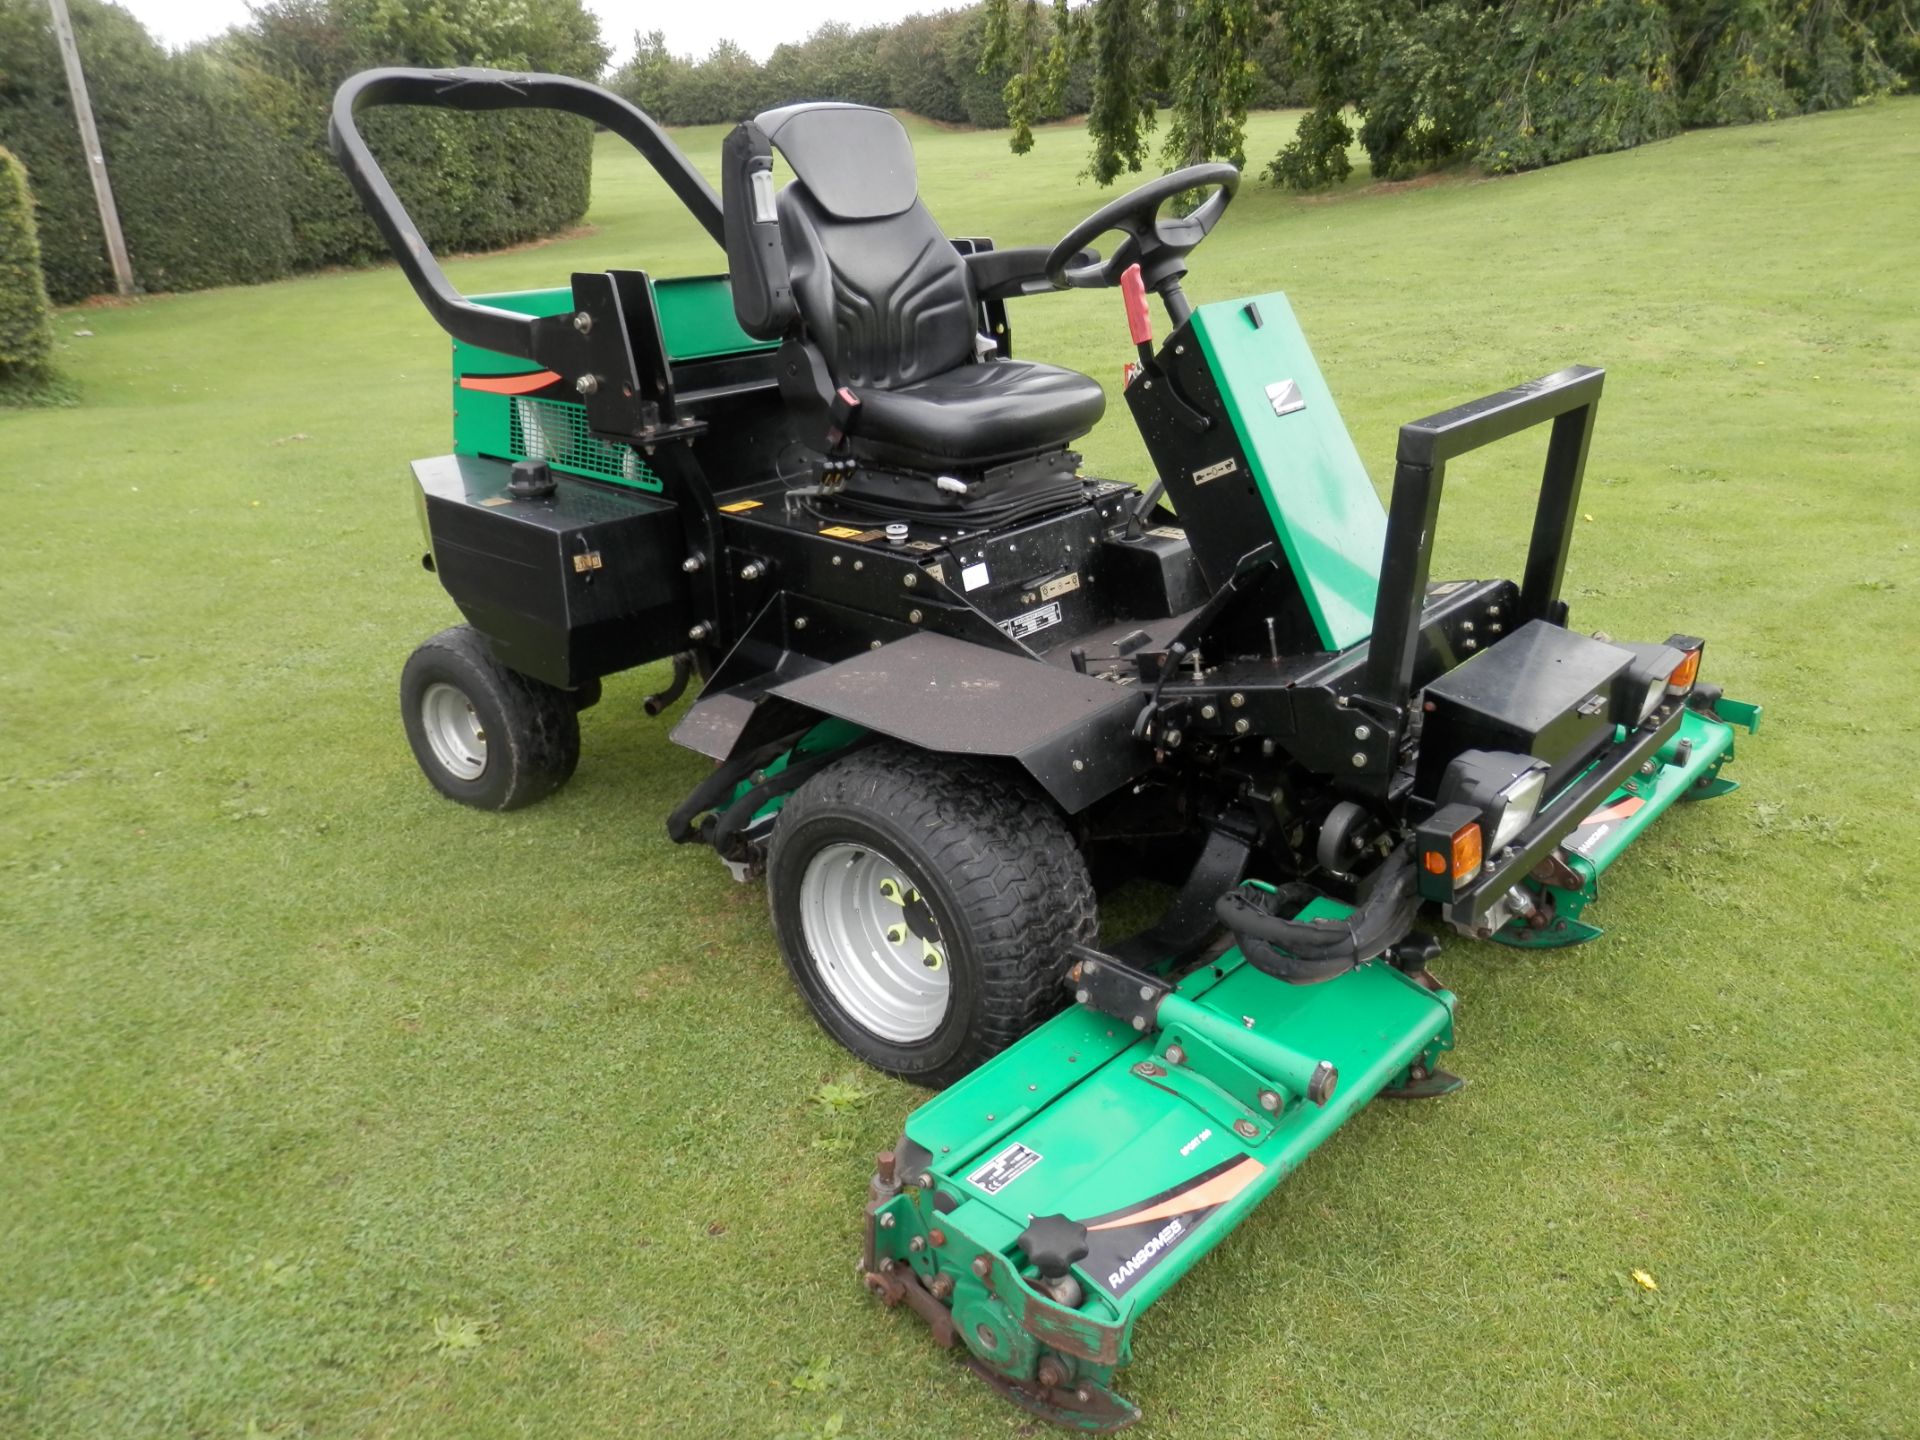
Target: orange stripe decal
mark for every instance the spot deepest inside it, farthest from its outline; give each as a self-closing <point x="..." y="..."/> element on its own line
<point x="1217" y="1191"/>
<point x="1619" y="810"/>
<point x="509" y="384"/>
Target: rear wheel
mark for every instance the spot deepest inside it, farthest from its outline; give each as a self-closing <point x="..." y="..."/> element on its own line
<point x="924" y="907"/>
<point x="485" y="735"/>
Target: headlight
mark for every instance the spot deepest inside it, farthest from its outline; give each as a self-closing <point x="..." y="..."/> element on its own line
<point x="1521" y="803"/>
<point x="1504" y="787"/>
<point x="1643" y="684"/>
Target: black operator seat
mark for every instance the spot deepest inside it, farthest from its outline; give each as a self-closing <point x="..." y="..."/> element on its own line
<point x="884" y="298"/>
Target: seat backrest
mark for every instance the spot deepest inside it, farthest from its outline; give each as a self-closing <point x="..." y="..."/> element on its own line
<point x="879" y="287"/>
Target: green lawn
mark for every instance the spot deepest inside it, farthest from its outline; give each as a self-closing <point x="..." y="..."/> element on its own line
<point x="333" y="1109"/>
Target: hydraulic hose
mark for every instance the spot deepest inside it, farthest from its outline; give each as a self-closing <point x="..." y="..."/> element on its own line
<point x="1306" y="952"/>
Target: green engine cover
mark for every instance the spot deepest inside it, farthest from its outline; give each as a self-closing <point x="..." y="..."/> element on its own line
<point x="1329" y="521"/>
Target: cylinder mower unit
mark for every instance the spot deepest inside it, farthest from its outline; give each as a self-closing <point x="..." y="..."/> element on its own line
<point x="945" y="679"/>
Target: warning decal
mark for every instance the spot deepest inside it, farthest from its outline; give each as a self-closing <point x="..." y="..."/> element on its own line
<point x="1003" y="1169"/>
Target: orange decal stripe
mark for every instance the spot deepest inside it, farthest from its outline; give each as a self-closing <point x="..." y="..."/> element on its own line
<point x="1619" y="810"/>
<point x="509" y="384"/>
<point x="1217" y="1191"/>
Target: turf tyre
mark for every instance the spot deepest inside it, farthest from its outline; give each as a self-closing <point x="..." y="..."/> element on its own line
<point x="531" y="729"/>
<point x="999" y="871"/>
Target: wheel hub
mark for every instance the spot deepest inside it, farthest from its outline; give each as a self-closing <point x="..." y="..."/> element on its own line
<point x="453" y="731"/>
<point x="876" y="941"/>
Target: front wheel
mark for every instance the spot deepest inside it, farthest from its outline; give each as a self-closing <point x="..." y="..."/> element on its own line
<point x="924" y="907"/>
<point x="485" y="735"/>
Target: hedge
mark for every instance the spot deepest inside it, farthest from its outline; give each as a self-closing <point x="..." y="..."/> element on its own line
<point x="218" y="156"/>
<point x="26" y="327"/>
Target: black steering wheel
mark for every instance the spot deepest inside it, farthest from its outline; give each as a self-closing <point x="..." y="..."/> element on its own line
<point x="1159" y="247"/>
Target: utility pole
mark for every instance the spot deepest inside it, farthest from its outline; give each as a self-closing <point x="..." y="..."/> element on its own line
<point x="90" y="142"/>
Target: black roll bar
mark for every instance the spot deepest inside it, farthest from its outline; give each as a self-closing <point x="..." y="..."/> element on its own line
<point x="1569" y="398"/>
<point x="468" y="89"/>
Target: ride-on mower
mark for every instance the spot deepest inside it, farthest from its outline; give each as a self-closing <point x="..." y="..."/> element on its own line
<point x="946" y="679"/>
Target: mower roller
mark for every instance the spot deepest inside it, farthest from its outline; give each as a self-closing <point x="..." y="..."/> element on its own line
<point x="946" y="680"/>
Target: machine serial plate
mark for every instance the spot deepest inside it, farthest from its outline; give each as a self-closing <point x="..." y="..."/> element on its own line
<point x="1032" y="622"/>
<point x="1003" y="1169"/>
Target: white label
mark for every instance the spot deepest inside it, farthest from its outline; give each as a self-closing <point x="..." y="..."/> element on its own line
<point x="1285" y="397"/>
<point x="1214" y="472"/>
<point x="974" y="576"/>
<point x="1005" y="1168"/>
<point x="1033" y="621"/>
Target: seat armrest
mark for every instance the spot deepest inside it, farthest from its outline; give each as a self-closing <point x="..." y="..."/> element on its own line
<point x="1002" y="274"/>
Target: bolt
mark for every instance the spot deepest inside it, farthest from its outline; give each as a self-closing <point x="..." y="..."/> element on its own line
<point x="1050" y="1373"/>
<point x="1207" y="712"/>
<point x="1466" y="627"/>
<point x="1340" y="702"/>
<point x="587" y="384"/>
<point x="910" y="579"/>
<point x="836" y="559"/>
<point x="1236" y="699"/>
<point x="799" y="622"/>
<point x="1147" y="1070"/>
<point x="691" y="565"/>
<point x="917" y="1244"/>
<point x="700" y="631"/>
<point x="988" y="1339"/>
<point x="1078" y="766"/>
<point x="1080" y="997"/>
<point x="1245" y="1129"/>
<point x="1247" y="1020"/>
<point x="886" y="1221"/>
<point x="1269" y="1101"/>
<point x="859" y="564"/>
<point x="1084" y="1395"/>
<point x="1146" y="992"/>
<point x="1173" y="739"/>
<point x="914" y="616"/>
<point x="873" y="645"/>
<point x="1359" y="761"/>
<point x="752" y="570"/>
<point x="1242" y="725"/>
<point x="583" y="322"/>
<point x="937" y="1237"/>
<point x="1139" y="1022"/>
<point x="1493" y="612"/>
<point x="1176" y="1055"/>
<point x="941" y="1286"/>
<point x="1496" y="629"/>
<point x="1362" y="732"/>
<point x="982" y="1266"/>
<point x="1267" y="747"/>
<point x="1469" y="644"/>
<point x="1179" y="349"/>
<point x="925" y="1182"/>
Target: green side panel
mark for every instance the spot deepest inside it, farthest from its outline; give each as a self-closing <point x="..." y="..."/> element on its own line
<point x="696" y="317"/>
<point x="1330" y="522"/>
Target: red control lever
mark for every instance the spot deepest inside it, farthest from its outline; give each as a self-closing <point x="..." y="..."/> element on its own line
<point x="1134" y="291"/>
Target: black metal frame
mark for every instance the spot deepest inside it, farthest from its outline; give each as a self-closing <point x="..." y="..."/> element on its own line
<point x="553" y="341"/>
<point x="1569" y="398"/>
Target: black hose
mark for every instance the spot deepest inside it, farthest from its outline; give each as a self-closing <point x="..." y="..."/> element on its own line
<point x="729" y="773"/>
<point x="676" y="687"/>
<point x="1306" y="952"/>
<point x="736" y="816"/>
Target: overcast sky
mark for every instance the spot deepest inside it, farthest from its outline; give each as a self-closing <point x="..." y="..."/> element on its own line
<point x="691" y="28"/>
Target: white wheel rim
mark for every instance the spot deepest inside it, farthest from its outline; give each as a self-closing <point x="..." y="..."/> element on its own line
<point x="874" y="942"/>
<point x="453" y="731"/>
